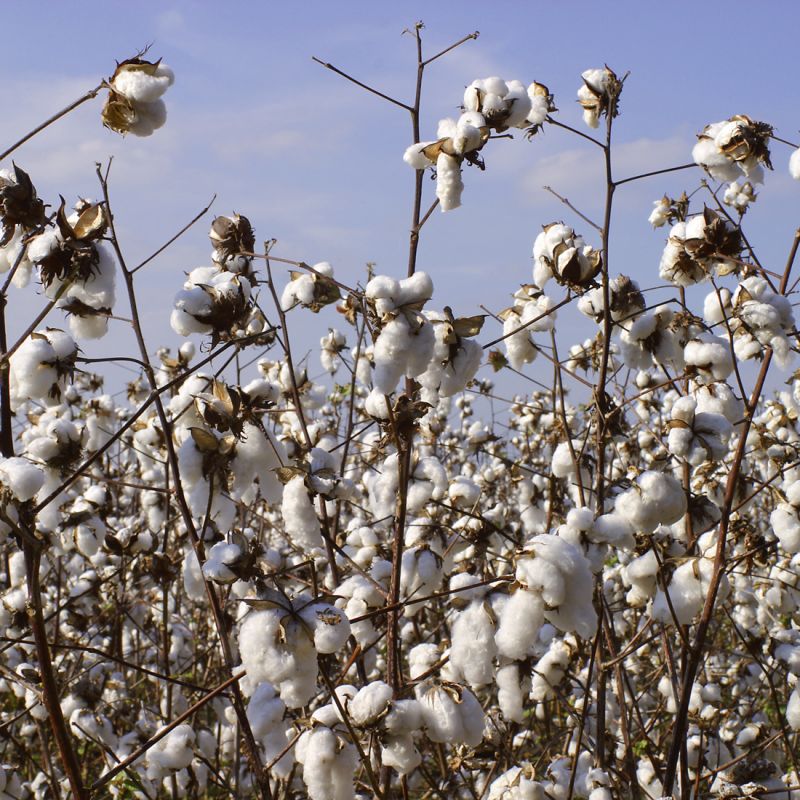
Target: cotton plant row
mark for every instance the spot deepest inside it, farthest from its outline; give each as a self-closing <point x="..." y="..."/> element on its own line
<point x="255" y="524"/>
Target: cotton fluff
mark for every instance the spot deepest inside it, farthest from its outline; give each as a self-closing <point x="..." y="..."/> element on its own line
<point x="708" y="359"/>
<point x="531" y="313"/>
<point x="134" y="103"/>
<point x="656" y="499"/>
<point x="595" y="94"/>
<point x="640" y="575"/>
<point x="794" y="164"/>
<point x="301" y="521"/>
<point x="454" y="361"/>
<point x="739" y="195"/>
<point x="312" y="290"/>
<point x="759" y="318"/>
<point x="695" y="435"/>
<point x="473" y="647"/>
<point x="689" y="586"/>
<point x="219" y="561"/>
<point x="450" y="713"/>
<point x="40" y="366"/>
<point x="549" y="670"/>
<point x="503" y="104"/>
<point x="21" y="478"/>
<point x="705" y="245"/>
<point x="729" y="149"/>
<point x="329" y="764"/>
<point x="516" y="783"/>
<point x="406" y="341"/>
<point x="265" y="712"/>
<point x="785" y="519"/>
<point x="560" y="253"/>
<point x="331" y="346"/>
<point x="174" y="752"/>
<point x="280" y="646"/>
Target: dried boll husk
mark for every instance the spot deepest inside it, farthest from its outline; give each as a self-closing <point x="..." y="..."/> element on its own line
<point x="232" y="235"/>
<point x="19" y="204"/>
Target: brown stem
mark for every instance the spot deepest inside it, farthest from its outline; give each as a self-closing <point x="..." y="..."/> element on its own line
<point x="91" y="94"/>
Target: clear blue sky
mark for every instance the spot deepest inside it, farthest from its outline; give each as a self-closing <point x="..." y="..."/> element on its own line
<point x="317" y="163"/>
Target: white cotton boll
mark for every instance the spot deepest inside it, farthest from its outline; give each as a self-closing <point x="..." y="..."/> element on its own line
<point x="549" y="671"/>
<point x="300" y="518"/>
<point x="141" y="86"/>
<point x="509" y="692"/>
<point x="473" y="648"/>
<point x="400" y="753"/>
<point x="405" y="716"/>
<point x="300" y="291"/>
<point x="714" y="311"/>
<point x="615" y="530"/>
<point x="449" y="185"/>
<point x="265" y="713"/>
<point x="710" y="358"/>
<point x="330" y="626"/>
<point x="218" y="560"/>
<point x="193" y="582"/>
<point x="786" y="526"/>
<point x="328" y="765"/>
<point x="641" y="575"/>
<point x="793" y="709"/>
<point x="794" y="164"/>
<point x="173" y="752"/>
<point x="519" y="624"/>
<point x="421" y="658"/>
<point x="21" y="478"/>
<point x="369" y="703"/>
<point x="659" y="216"/>
<point x="450" y="714"/>
<point x="657" y="499"/>
<point x="149" y="118"/>
<point x="687" y="590"/>
<point x="446" y="128"/>
<point x="415" y="158"/>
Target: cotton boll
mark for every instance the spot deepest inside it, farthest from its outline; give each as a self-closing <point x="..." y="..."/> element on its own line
<point x="149" y="118"/>
<point x="472" y="644"/>
<point x="794" y="164"/>
<point x="369" y="703"/>
<point x="299" y="517"/>
<point x="710" y="359"/>
<point x="219" y="560"/>
<point x="329" y="765"/>
<point x="549" y="671"/>
<point x="657" y="499"/>
<point x="793" y="709"/>
<point x="172" y="753"/>
<point x="415" y="157"/>
<point x="330" y="626"/>
<point x="143" y="86"/>
<point x="641" y="576"/>
<point x="450" y="713"/>
<point x="449" y="185"/>
<point x="400" y="753"/>
<point x="21" y="478"/>
<point x="519" y="624"/>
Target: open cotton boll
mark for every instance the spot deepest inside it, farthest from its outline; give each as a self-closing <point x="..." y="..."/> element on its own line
<point x="641" y="575"/>
<point x="149" y="118"/>
<point x="21" y="478"/>
<point x="143" y="86"/>
<point x="175" y="751"/>
<point x="329" y="765"/>
<point x="400" y="753"/>
<point x="265" y="712"/>
<point x="793" y="708"/>
<point x="519" y="624"/>
<point x="449" y="185"/>
<point x="414" y="156"/>
<point x="219" y="559"/>
<point x="329" y="624"/>
<point x="709" y="359"/>
<point x="450" y="713"/>
<point x="277" y="649"/>
<point x="657" y="499"/>
<point x="473" y="647"/>
<point x="517" y="783"/>
<point x="549" y="671"/>
<point x="301" y="521"/>
<point x="369" y="703"/>
<point x="794" y="164"/>
<point x="785" y="524"/>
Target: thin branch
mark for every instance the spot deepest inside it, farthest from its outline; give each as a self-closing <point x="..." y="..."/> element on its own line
<point x="572" y="207"/>
<point x="362" y="85"/>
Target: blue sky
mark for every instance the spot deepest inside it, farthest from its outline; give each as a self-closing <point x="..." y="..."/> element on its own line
<point x="317" y="163"/>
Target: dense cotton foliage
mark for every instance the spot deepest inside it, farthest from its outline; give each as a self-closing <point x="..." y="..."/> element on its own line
<point x="368" y="589"/>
